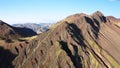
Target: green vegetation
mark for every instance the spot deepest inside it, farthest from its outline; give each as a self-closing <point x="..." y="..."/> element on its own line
<point x="117" y="24"/>
<point x="94" y="61"/>
<point x="112" y="61"/>
<point x="27" y="38"/>
<point x="98" y="50"/>
<point x="57" y="49"/>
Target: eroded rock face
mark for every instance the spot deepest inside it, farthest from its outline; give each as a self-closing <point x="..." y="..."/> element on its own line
<point x="79" y="41"/>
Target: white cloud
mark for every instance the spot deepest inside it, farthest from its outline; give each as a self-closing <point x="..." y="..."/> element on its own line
<point x="114" y="0"/>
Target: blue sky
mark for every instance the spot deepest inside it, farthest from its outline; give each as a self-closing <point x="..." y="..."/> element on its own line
<point x="46" y="11"/>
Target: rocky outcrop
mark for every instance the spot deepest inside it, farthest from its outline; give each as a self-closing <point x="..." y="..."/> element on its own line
<point x="79" y="41"/>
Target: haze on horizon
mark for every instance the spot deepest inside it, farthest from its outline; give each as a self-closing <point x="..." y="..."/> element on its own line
<point x="48" y="11"/>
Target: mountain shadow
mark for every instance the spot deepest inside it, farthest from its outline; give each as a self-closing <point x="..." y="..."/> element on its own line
<point x="25" y="32"/>
<point x="6" y="58"/>
<point x="76" y="34"/>
<point x="74" y="58"/>
<point x="95" y="28"/>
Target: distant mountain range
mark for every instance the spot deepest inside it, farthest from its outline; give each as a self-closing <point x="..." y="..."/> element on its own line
<point x="38" y="28"/>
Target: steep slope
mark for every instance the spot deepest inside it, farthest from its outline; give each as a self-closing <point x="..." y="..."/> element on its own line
<point x="79" y="41"/>
<point x="10" y="32"/>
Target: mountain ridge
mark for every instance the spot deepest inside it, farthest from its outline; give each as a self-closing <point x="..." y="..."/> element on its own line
<point x="79" y="41"/>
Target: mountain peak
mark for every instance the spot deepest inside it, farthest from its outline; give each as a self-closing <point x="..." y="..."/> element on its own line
<point x="76" y="15"/>
<point x="99" y="13"/>
<point x="99" y="16"/>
